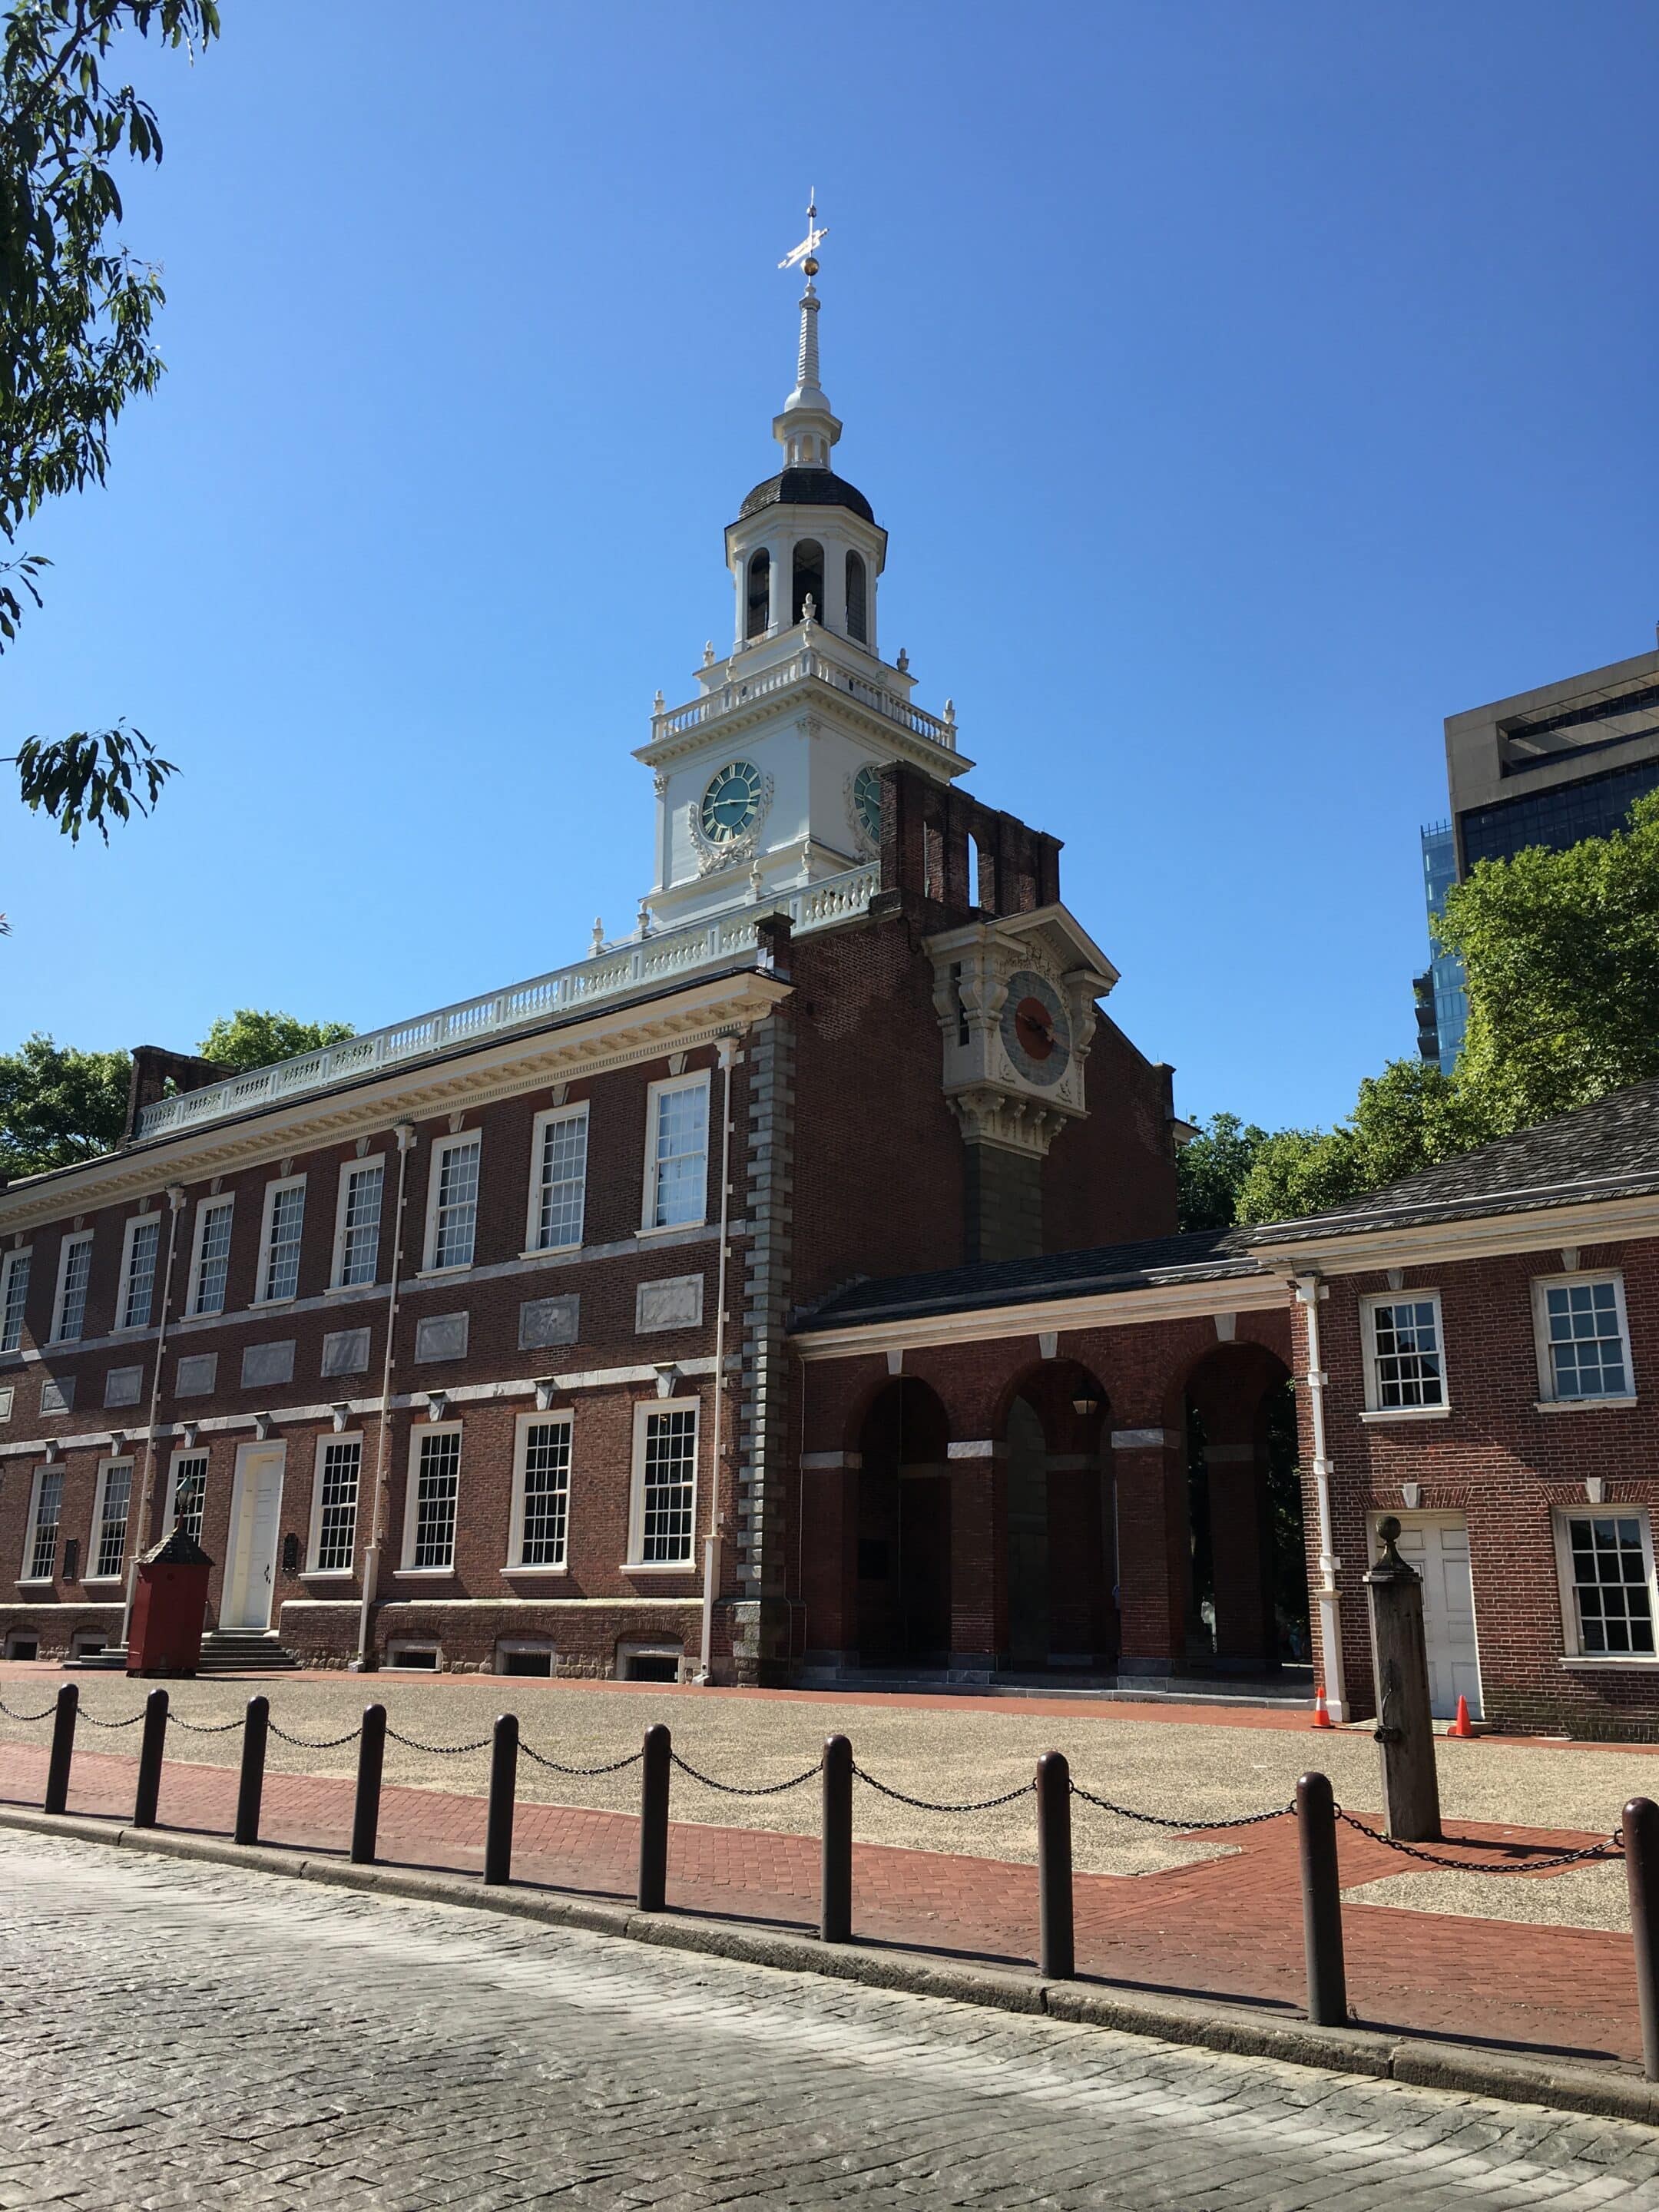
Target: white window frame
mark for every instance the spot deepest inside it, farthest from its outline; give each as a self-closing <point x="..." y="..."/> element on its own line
<point x="349" y="1174"/>
<point x="9" y="1269"/>
<point x="8" y="1392"/>
<point x="655" y="1093"/>
<point x="441" y="1149"/>
<point x="42" y="1475"/>
<point x="1562" y="1517"/>
<point x="326" y="1442"/>
<point x="123" y="1281"/>
<point x="533" y="1246"/>
<point x="1375" y="1409"/>
<point x="417" y="1436"/>
<point x="1541" y="1284"/>
<point x="95" y="1540"/>
<point x="262" y="1296"/>
<point x="644" y="1413"/>
<point x="78" y="1240"/>
<point x="516" y="1563"/>
<point x="206" y="1210"/>
<point x="184" y="1452"/>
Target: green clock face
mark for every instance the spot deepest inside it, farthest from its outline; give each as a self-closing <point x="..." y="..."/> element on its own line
<point x="731" y="802"/>
<point x="1036" y="1033"/>
<point x="866" y="800"/>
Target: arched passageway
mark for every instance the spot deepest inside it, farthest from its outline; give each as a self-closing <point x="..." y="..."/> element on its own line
<point x="903" y="1540"/>
<point x="1058" y="1524"/>
<point x="1249" y="1608"/>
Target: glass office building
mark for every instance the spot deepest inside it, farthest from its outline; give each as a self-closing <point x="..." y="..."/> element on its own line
<point x="1442" y="1006"/>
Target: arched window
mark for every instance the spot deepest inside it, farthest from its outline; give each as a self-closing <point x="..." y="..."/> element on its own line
<point x="758" y="605"/>
<point x="809" y="579"/>
<point x="858" y="609"/>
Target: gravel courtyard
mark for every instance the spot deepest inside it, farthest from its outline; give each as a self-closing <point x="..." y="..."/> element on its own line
<point x="952" y="1753"/>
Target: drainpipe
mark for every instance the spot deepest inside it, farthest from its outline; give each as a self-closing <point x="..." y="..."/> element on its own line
<point x="1309" y="1291"/>
<point x="711" y="1542"/>
<point x="405" y="1136"/>
<point x="140" y="1521"/>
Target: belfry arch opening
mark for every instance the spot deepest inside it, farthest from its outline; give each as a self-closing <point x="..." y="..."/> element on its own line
<point x="808" y="580"/>
<point x="757" y="603"/>
<point x="857" y="600"/>
<point x="903" y="1536"/>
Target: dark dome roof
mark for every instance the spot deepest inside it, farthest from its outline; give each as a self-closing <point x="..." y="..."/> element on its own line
<point x="805" y="488"/>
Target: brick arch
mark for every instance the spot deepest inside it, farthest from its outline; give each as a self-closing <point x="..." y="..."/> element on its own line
<point x="1057" y="1520"/>
<point x="903" y="1527"/>
<point x="1229" y="1388"/>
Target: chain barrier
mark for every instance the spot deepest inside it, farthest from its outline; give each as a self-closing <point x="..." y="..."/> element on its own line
<point x="316" y="1743"/>
<point x="927" y="1805"/>
<point x="737" y="1789"/>
<point x="440" y="1750"/>
<point x="1611" y="1848"/>
<point x="10" y="1715"/>
<point x="1184" y="1827"/>
<point x="203" y="1728"/>
<point x="93" y="1721"/>
<point x="587" y="1773"/>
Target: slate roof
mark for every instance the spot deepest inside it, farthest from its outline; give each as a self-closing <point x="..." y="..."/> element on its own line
<point x="806" y="487"/>
<point x="1609" y="1149"/>
<point x="1203" y="1255"/>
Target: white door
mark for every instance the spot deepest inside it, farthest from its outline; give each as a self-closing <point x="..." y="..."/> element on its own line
<point x="255" y="1512"/>
<point x="1437" y="1546"/>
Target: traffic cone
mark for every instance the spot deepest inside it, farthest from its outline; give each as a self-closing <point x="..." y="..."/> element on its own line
<point x="1460" y="1726"/>
<point x="1321" y="1718"/>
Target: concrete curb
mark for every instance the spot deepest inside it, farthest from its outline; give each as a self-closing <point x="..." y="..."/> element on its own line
<point x="1235" y="2029"/>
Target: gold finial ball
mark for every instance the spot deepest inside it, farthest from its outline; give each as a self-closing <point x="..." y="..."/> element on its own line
<point x="810" y="266"/>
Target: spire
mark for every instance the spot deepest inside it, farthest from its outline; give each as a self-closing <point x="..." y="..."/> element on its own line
<point x="807" y="429"/>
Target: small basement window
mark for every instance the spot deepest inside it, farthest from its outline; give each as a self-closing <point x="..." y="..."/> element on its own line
<point x="423" y="1658"/>
<point x="22" y="1647"/>
<point x="87" y="1643"/>
<point x="524" y="1659"/>
<point x="649" y="1662"/>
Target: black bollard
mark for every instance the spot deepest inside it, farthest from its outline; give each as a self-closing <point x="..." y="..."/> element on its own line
<point x="1322" y="1903"/>
<point x="366" y="1811"/>
<point x="653" y="1819"/>
<point x="503" y="1785"/>
<point x="1641" y="1830"/>
<point x="63" y="1748"/>
<point x="1056" y="1947"/>
<point x="835" y="1896"/>
<point x="252" y="1787"/>
<point x="151" y="1745"/>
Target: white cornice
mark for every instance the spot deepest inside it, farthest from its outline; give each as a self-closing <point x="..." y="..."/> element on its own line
<point x="1489" y="1235"/>
<point x="620" y="1037"/>
<point x="807" y="693"/>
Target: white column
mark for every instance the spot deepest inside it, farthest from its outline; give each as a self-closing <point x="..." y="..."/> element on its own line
<point x="834" y="610"/>
<point x="783" y="573"/>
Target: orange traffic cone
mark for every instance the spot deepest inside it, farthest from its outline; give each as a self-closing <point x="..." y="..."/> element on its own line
<point x="1321" y="1718"/>
<point x="1460" y="1726"/>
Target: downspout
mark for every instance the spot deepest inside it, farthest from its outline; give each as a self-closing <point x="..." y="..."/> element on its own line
<point x="405" y="1136"/>
<point x="140" y="1522"/>
<point x="711" y="1542"/>
<point x="1309" y="1291"/>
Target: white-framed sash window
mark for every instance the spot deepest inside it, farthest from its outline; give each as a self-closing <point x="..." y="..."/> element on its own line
<point x="45" y="1513"/>
<point x="138" y="1255"/>
<point x="68" y="1312"/>
<point x="334" y="1504"/>
<point x="451" y="1203"/>
<point x="664" y="1490"/>
<point x="434" y="1484"/>
<point x="110" y="1510"/>
<point x="14" y="1297"/>
<point x="541" y="1491"/>
<point x="209" y="1264"/>
<point x="677" y="1154"/>
<point x="1610" y="1603"/>
<point x="186" y="1493"/>
<point x="1583" y="1339"/>
<point x="1405" y="1353"/>
<point x="357" y="1223"/>
<point x="558" y="1179"/>
<point x="279" y="1276"/>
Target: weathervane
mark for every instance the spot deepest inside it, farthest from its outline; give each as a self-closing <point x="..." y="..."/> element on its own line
<point x="805" y="256"/>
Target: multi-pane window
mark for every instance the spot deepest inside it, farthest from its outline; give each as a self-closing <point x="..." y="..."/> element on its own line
<point x="109" y="1542"/>
<point x="139" y="1278"/>
<point x="42" y="1556"/>
<point x="560" y="1180"/>
<point x="437" y="1482"/>
<point x="667" y="1482"/>
<point x="1407" y="1366"/>
<point x="74" y="1272"/>
<point x="335" y="1531"/>
<point x="14" y="1297"/>
<point x="545" y="1510"/>
<point x="676" y="1166"/>
<point x="207" y="1294"/>
<point x="1612" y="1584"/>
<point x="285" y="1214"/>
<point x="1584" y="1330"/>
<point x="190" y="1493"/>
<point x="357" y="1253"/>
<point x="454" y="1220"/>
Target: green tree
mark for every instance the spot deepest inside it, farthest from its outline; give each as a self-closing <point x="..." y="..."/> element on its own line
<point x="58" y="1105"/>
<point x="76" y="313"/>
<point x="251" y="1039"/>
<point x="1210" y="1171"/>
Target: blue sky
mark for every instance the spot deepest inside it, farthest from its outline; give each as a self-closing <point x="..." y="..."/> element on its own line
<point x="1245" y="388"/>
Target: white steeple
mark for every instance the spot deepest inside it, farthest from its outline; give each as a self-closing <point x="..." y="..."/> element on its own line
<point x="807" y="429"/>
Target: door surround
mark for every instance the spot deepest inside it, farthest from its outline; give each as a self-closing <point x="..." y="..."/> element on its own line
<point x="251" y="1548"/>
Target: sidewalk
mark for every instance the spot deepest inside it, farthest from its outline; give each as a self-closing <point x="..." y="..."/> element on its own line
<point x="1227" y="1927"/>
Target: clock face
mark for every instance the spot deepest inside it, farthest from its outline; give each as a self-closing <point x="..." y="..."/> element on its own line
<point x="866" y="800"/>
<point x="731" y="802"/>
<point x="1036" y="1033"/>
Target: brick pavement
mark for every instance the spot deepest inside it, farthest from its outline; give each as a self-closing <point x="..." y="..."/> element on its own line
<point x="1229" y="1927"/>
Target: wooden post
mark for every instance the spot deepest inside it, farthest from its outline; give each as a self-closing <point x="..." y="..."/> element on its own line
<point x="1641" y="1831"/>
<point x="1322" y="1903"/>
<point x="151" y="1746"/>
<point x="503" y="1785"/>
<point x="366" y="1808"/>
<point x="251" y="1789"/>
<point x="1405" y="1725"/>
<point x="1057" y="1955"/>
<point x="63" y="1749"/>
<point x="653" y="1819"/>
<point x="836" y="1899"/>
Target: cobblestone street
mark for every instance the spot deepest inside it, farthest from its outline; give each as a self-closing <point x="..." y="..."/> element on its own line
<point x="177" y="2035"/>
